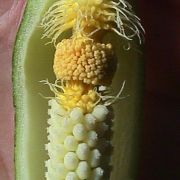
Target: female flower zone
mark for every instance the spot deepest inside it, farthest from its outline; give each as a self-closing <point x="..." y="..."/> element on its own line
<point x="80" y="112"/>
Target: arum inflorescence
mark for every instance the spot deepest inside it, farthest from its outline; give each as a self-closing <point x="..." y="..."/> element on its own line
<point x="79" y="111"/>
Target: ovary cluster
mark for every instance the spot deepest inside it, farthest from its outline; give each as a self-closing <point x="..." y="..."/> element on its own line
<point x="82" y="59"/>
<point x="73" y="142"/>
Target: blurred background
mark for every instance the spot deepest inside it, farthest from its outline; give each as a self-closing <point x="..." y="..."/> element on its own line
<point x="161" y="140"/>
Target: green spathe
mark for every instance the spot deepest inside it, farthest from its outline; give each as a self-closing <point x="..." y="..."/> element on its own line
<point x="32" y="63"/>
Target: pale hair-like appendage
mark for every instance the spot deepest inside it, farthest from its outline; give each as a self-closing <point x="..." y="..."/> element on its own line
<point x="92" y="14"/>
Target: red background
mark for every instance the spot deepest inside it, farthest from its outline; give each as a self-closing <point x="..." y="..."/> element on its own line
<point x="161" y="141"/>
<point x="161" y="134"/>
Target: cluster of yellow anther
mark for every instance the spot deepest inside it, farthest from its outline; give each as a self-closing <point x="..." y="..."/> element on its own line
<point x="82" y="59"/>
<point x="75" y="94"/>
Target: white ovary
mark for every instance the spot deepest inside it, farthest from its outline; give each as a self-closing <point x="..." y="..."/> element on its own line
<point x="71" y="161"/>
<point x="79" y="132"/>
<point x="57" y="108"/>
<point x="76" y="115"/>
<point x="70" y="143"/>
<point x="72" y="176"/>
<point x="95" y="158"/>
<point x="57" y="135"/>
<point x="83" y="170"/>
<point x="83" y="151"/>
<point x="56" y="170"/>
<point x="56" y="151"/>
<point x="100" y="112"/>
<point x="90" y="121"/>
<point x="92" y="138"/>
<point x="66" y="123"/>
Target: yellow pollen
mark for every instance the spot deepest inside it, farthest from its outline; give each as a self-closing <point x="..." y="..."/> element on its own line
<point x="76" y="94"/>
<point x="82" y="59"/>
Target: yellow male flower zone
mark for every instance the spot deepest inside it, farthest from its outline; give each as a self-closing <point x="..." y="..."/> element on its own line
<point x="78" y="112"/>
<point x="82" y="59"/>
